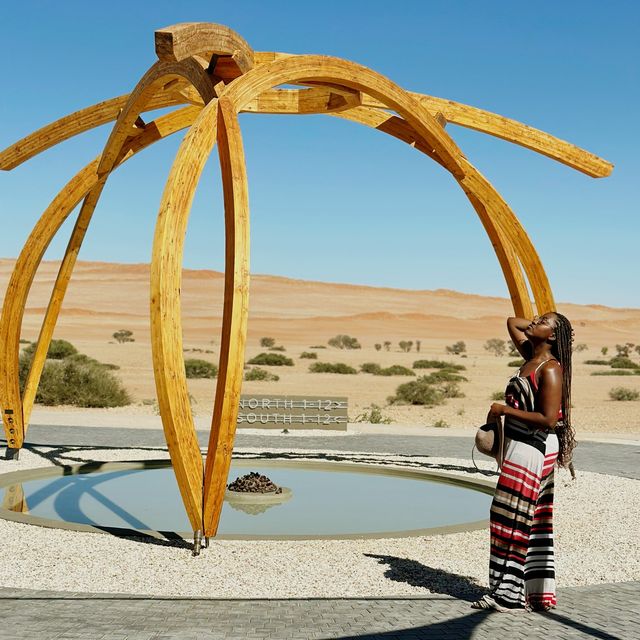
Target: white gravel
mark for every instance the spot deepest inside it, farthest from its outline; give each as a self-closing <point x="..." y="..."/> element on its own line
<point x="597" y="541"/>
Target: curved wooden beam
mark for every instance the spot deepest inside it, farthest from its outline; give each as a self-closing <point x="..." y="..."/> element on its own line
<point x="508" y="259"/>
<point x="427" y="130"/>
<point x="424" y="127"/>
<point x="153" y="81"/>
<point x="73" y="125"/>
<point x="300" y="102"/>
<point x="493" y="124"/>
<point x="235" y="314"/>
<point x="166" y="317"/>
<point x="29" y="260"/>
<point x="353" y="76"/>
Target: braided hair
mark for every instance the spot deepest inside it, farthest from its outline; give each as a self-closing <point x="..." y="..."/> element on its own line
<point x="561" y="348"/>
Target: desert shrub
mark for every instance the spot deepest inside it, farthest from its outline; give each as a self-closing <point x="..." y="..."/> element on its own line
<point x="318" y="346"/>
<point x="23" y="341"/>
<point x="82" y="385"/>
<point x="344" y="342"/>
<point x="196" y="368"/>
<point x="624" y="394"/>
<point x="622" y="362"/>
<point x="277" y="348"/>
<point x="419" y="392"/>
<point x="438" y="364"/>
<point x="418" y="343"/>
<point x="267" y="342"/>
<point x="82" y="358"/>
<point x="396" y="370"/>
<point x="637" y="349"/>
<point x="596" y="361"/>
<point x="451" y="390"/>
<point x="309" y="355"/>
<point x="371" y="367"/>
<point x="58" y="350"/>
<point x="377" y="346"/>
<point x="604" y="350"/>
<point x="497" y="396"/>
<point x="271" y="360"/>
<point x="257" y="374"/>
<point x="374" y="416"/>
<point x="441" y="424"/>
<point x="405" y="345"/>
<point x="124" y="335"/>
<point x="76" y="380"/>
<point x="328" y="367"/>
<point x="516" y="363"/>
<point x="457" y="348"/>
<point x="513" y="352"/>
<point x="581" y="347"/>
<point x="387" y="345"/>
<point x="616" y="372"/>
<point x="495" y="346"/>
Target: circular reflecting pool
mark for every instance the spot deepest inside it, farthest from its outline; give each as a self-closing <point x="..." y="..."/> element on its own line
<point x="325" y="500"/>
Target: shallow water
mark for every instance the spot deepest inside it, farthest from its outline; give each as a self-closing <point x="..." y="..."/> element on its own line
<point x="323" y="502"/>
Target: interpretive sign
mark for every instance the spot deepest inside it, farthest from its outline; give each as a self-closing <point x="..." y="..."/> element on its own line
<point x="293" y="412"/>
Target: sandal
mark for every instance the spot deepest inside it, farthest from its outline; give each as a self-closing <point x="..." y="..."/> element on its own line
<point x="542" y="608"/>
<point x="487" y="602"/>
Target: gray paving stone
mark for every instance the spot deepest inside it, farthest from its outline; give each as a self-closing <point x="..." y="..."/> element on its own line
<point x="603" y="612"/>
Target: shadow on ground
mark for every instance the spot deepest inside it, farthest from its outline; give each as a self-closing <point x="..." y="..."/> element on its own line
<point x="416" y="574"/>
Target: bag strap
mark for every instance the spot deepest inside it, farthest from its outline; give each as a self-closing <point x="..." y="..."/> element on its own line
<point x="501" y="446"/>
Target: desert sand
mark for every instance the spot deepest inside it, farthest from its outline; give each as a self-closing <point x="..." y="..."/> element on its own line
<point x="106" y="297"/>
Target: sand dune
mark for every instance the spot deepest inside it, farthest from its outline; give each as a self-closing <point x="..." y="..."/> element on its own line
<point x="106" y="297"/>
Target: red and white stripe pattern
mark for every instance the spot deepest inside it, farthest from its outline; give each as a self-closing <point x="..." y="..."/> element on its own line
<point x="521" y="567"/>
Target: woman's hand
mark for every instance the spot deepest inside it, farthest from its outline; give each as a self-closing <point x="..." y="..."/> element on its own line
<point x="497" y="410"/>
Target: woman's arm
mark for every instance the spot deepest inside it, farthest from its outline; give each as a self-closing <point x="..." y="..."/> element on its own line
<point x="548" y="400"/>
<point x="516" y="327"/>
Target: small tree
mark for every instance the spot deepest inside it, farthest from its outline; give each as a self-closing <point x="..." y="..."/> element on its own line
<point x="378" y="346"/>
<point x="387" y="345"/>
<point x="623" y="349"/>
<point x="513" y="352"/>
<point x="496" y="346"/>
<point x="604" y="350"/>
<point x="405" y="345"/>
<point x="342" y="341"/>
<point x="124" y="335"/>
<point x="457" y="348"/>
<point x="581" y="347"/>
<point x="418" y="346"/>
<point x="267" y="342"/>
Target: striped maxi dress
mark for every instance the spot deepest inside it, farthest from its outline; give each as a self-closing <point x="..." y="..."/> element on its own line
<point x="521" y="567"/>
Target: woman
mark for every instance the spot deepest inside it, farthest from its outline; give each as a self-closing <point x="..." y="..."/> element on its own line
<point x="538" y="432"/>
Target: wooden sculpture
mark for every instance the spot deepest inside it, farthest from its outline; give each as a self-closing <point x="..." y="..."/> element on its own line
<point x="213" y="71"/>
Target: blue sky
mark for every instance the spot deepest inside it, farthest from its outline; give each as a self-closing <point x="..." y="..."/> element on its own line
<point x="333" y="201"/>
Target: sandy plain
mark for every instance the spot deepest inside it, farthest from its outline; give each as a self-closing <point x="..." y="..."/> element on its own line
<point x="105" y="297"/>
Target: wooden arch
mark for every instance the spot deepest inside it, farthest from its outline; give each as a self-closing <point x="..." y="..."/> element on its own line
<point x="212" y="69"/>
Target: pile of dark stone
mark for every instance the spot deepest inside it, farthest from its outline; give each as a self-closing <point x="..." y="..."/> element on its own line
<point x="254" y="483"/>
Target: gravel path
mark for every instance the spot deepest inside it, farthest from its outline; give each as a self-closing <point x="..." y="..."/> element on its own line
<point x="590" y="513"/>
